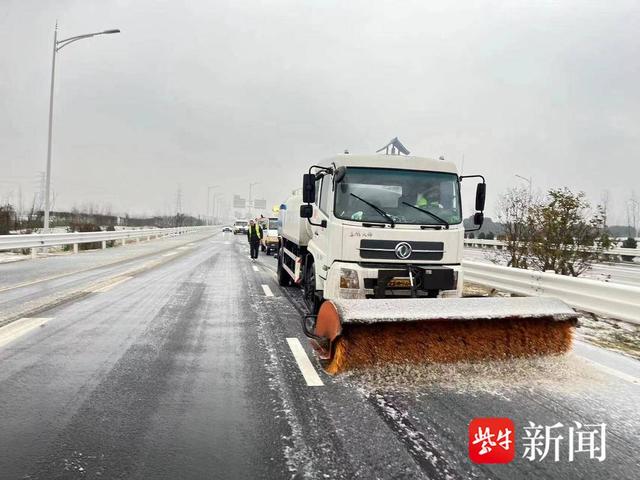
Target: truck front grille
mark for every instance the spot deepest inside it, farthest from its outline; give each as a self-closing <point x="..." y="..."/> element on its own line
<point x="386" y="250"/>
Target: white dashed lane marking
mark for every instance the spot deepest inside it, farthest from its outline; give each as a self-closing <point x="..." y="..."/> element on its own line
<point x="114" y="283"/>
<point x="304" y="364"/>
<point x="267" y="290"/>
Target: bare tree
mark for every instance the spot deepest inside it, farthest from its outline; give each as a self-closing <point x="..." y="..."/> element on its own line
<point x="7" y="219"/>
<point x="605" y="201"/>
<point x="513" y="213"/>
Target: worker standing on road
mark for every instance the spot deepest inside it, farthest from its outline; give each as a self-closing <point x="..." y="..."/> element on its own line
<point x="254" y="235"/>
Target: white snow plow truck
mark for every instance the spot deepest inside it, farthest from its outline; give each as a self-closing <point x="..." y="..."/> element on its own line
<point x="375" y="242"/>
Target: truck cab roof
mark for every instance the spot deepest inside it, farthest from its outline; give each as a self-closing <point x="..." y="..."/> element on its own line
<point x="403" y="162"/>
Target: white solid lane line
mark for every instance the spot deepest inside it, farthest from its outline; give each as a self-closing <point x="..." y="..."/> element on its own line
<point x="16" y="329"/>
<point x="616" y="364"/>
<point x="255" y="269"/>
<point x="614" y="372"/>
<point x="170" y="254"/>
<point x="113" y="283"/>
<point x="267" y="290"/>
<point x="304" y="364"/>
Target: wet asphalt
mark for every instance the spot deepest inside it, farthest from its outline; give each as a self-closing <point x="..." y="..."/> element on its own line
<point x="183" y="371"/>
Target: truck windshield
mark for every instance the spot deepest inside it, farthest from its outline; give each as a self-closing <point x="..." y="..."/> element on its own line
<point x="407" y="196"/>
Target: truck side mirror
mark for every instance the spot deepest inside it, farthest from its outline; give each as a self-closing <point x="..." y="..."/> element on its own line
<point x="308" y="189"/>
<point x="478" y="218"/>
<point x="481" y="193"/>
<point x="339" y="175"/>
<point x="306" y="211"/>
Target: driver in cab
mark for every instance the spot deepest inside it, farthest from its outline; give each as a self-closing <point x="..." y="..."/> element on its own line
<point x="430" y="198"/>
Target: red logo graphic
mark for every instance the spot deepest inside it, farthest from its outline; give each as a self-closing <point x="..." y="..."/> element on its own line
<point x="491" y="440"/>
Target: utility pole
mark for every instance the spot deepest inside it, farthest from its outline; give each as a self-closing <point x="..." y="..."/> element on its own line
<point x="179" y="207"/>
<point x="632" y="214"/>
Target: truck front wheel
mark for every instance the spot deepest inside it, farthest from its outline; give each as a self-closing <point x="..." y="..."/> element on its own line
<point x="311" y="297"/>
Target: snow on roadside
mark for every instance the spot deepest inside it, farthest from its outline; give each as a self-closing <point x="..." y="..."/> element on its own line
<point x="8" y="257"/>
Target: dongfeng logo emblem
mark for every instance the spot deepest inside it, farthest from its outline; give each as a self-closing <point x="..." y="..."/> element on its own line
<point x="403" y="250"/>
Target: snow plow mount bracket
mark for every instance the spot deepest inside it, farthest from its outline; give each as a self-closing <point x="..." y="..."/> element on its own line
<point x="417" y="274"/>
<point x="323" y="342"/>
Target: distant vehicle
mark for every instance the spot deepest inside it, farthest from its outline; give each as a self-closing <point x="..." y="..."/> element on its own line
<point x="271" y="240"/>
<point x="240" y="227"/>
<point x="227" y="229"/>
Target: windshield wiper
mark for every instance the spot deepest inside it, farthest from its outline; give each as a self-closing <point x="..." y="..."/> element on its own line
<point x="377" y="209"/>
<point x="442" y="220"/>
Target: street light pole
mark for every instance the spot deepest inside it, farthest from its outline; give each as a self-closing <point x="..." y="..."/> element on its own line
<point x="529" y="181"/>
<point x="215" y="205"/>
<point x="48" y="174"/>
<point x="57" y="45"/>
<point x="209" y="188"/>
<point x="250" y="200"/>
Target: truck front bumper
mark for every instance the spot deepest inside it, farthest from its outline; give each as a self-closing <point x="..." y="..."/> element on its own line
<point x="352" y="280"/>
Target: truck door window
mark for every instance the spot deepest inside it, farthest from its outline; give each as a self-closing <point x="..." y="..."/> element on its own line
<point x="324" y="195"/>
<point x="318" y="190"/>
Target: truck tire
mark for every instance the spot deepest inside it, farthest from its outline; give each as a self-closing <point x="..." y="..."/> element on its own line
<point x="311" y="298"/>
<point x="284" y="280"/>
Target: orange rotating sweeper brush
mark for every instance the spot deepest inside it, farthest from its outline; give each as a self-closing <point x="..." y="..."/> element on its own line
<point x="352" y="334"/>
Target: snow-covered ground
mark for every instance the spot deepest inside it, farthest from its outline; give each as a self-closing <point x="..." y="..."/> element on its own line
<point x="626" y="273"/>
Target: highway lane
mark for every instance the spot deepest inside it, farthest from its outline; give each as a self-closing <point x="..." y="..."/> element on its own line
<point x="59" y="264"/>
<point x="27" y="286"/>
<point x="626" y="273"/>
<point x="185" y="371"/>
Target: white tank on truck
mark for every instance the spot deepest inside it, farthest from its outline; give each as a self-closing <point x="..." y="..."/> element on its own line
<point x="295" y="232"/>
<point x="376" y="243"/>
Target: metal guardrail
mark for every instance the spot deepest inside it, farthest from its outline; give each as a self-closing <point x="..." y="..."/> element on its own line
<point x="38" y="240"/>
<point x="618" y="251"/>
<point x="611" y="300"/>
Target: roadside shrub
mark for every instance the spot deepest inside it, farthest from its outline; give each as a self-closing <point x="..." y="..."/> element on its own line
<point x="630" y="242"/>
<point x="84" y="227"/>
<point x="111" y="243"/>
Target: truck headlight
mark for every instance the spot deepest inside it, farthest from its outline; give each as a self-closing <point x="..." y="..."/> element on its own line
<point x="349" y="278"/>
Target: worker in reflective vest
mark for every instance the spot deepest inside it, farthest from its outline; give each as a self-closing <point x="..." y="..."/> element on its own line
<point x="430" y="198"/>
<point x="254" y="235"/>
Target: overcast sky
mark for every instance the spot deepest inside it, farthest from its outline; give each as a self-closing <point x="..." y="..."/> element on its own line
<point x="202" y="92"/>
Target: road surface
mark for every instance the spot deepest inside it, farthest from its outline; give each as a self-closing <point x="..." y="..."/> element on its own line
<point x="181" y="364"/>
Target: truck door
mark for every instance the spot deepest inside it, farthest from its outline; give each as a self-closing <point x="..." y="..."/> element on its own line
<point x="320" y="236"/>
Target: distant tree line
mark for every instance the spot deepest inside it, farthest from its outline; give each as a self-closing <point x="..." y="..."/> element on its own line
<point x="82" y="221"/>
